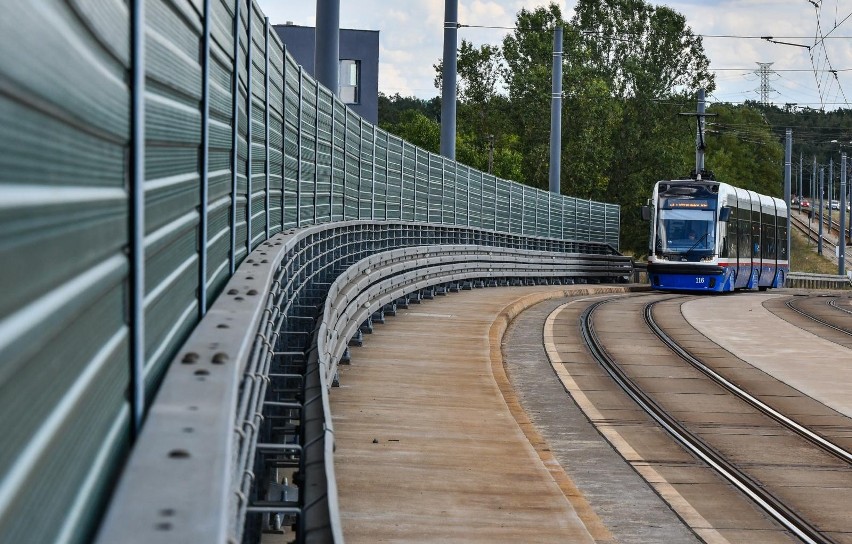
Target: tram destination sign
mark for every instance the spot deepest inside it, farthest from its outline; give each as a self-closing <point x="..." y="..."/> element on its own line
<point x="689" y="204"/>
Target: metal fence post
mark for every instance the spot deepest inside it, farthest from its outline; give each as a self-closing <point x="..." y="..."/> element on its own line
<point x="266" y="117"/>
<point x="249" y="68"/>
<point x="299" y="156"/>
<point x="360" y="169"/>
<point x="523" y="206"/>
<point x="373" y="184"/>
<point x="428" y="184"/>
<point x="331" y="167"/>
<point x="283" y="134"/>
<point x="235" y="158"/>
<point x="414" y="206"/>
<point x="316" y="152"/>
<point x="204" y="197"/>
<point x="137" y="216"/>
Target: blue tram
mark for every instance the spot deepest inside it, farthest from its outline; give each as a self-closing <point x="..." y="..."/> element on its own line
<point x="711" y="236"/>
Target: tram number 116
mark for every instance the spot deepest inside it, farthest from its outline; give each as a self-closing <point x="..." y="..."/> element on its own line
<point x="699" y="280"/>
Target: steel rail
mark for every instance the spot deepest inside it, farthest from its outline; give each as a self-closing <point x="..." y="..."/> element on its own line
<point x="833" y="303"/>
<point x="768" y="502"/>
<point x="742" y="394"/>
<point x="803" y="313"/>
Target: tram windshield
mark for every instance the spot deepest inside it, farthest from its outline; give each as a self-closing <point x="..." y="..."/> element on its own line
<point x="683" y="231"/>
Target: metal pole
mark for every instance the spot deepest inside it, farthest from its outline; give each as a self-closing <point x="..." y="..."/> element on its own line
<point x="448" y="90"/>
<point x="813" y="185"/>
<point x="830" y="190"/>
<point x="788" y="157"/>
<point x="283" y="134"/>
<point x="327" y="44"/>
<point x="331" y="168"/>
<point x="821" y="189"/>
<point x="299" y="155"/>
<point x="235" y="141"/>
<point x="801" y="188"/>
<point x="841" y="261"/>
<point x="249" y="68"/>
<point x="316" y="155"/>
<point x="556" y="113"/>
<point x="204" y="197"/>
<point x="699" y="148"/>
<point x="373" y="181"/>
<point x="137" y="217"/>
<point x="266" y="202"/>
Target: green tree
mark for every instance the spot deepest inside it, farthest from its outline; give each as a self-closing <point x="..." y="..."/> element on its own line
<point x="415" y="127"/>
<point x="642" y="50"/>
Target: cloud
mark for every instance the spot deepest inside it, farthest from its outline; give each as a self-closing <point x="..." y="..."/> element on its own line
<point x="411" y="37"/>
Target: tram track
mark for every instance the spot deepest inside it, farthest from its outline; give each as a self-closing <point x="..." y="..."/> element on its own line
<point x="821" y="315"/>
<point x="686" y="433"/>
<point x="809" y="435"/>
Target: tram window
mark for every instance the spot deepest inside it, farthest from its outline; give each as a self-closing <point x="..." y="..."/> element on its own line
<point x="755" y="234"/>
<point x="733" y="233"/>
<point x="744" y="230"/>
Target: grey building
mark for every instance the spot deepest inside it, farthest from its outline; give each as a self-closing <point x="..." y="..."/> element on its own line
<point x="359" y="64"/>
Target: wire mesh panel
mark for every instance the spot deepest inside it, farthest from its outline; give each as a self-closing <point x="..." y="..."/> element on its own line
<point x="220" y="145"/>
<point x="501" y="206"/>
<point x="64" y="358"/>
<point x="597" y="222"/>
<point x="569" y="218"/>
<point x="613" y="225"/>
<point x="352" y="166"/>
<point x="276" y="133"/>
<point x="394" y="178"/>
<point x="258" y="103"/>
<point x="325" y="185"/>
<point x="338" y="159"/>
<point x="449" y="202"/>
<point x="173" y="136"/>
<point x="409" y="195"/>
<point x="421" y="184"/>
<point x="462" y="194"/>
<point x="380" y="187"/>
<point x="489" y="201"/>
<point x="436" y="182"/>
<point x="239" y="203"/>
<point x="308" y="151"/>
<point x="366" y="190"/>
<point x="292" y="139"/>
<point x="583" y="221"/>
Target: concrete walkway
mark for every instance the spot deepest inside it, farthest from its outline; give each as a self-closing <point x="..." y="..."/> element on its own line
<point x="428" y="450"/>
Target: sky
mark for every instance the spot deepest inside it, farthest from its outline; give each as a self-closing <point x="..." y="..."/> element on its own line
<point x="411" y="41"/>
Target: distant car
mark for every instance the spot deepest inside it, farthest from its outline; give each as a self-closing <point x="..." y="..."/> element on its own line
<point x="804" y="204"/>
<point x="835" y="204"/>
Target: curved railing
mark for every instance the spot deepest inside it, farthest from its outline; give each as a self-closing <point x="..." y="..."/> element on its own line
<point x="147" y="149"/>
<point x="263" y="359"/>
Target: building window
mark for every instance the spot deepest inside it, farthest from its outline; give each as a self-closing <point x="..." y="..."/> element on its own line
<point x="350" y="81"/>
